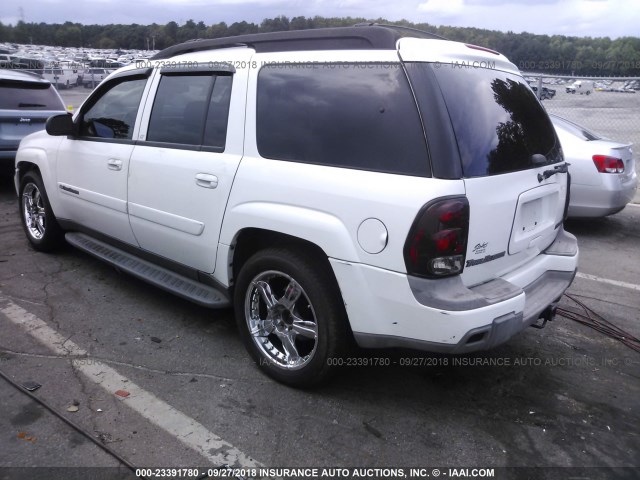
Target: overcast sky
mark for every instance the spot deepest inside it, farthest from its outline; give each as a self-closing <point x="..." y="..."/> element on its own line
<point x="595" y="18"/>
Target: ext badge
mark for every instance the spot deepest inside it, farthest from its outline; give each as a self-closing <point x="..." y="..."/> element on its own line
<point x="480" y="248"/>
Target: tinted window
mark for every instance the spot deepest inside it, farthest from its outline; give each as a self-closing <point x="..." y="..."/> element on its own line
<point x="498" y="122"/>
<point x="215" y="133"/>
<point x="191" y="109"/>
<point x="348" y="115"/>
<point x="113" y="114"/>
<point x="16" y="95"/>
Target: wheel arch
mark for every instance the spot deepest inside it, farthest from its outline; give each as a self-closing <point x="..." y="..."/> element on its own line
<point x="248" y="227"/>
<point x="250" y="240"/>
<point x="35" y="159"/>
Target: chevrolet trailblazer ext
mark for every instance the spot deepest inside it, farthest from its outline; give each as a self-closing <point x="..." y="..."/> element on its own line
<point x="371" y="183"/>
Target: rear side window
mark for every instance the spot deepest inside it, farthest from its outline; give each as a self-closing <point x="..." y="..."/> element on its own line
<point x="191" y="109"/>
<point x="16" y="95"/>
<point x="359" y="116"/>
<point x="498" y="122"/>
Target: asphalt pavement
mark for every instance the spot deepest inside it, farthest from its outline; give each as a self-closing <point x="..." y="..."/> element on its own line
<point x="167" y="384"/>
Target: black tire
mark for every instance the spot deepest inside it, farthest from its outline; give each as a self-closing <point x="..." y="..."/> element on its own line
<point x="317" y="309"/>
<point x="37" y="218"/>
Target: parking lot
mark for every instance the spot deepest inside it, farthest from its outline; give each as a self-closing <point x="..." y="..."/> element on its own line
<point x="161" y="382"/>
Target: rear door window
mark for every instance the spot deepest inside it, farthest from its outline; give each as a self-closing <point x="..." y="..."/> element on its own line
<point x="359" y="116"/>
<point x="498" y="122"/>
<point x="191" y="109"/>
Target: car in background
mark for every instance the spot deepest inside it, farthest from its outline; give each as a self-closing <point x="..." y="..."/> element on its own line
<point x="92" y="77"/>
<point x="603" y="174"/>
<point x="581" y="87"/>
<point x="26" y="102"/>
<point x="547" y="93"/>
<point x="60" y="78"/>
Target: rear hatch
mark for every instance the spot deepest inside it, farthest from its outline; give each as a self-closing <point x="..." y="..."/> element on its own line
<point x="508" y="155"/>
<point x="24" y="109"/>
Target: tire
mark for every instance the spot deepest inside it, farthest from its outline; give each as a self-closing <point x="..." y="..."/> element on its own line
<point x="299" y="337"/>
<point x="37" y="218"/>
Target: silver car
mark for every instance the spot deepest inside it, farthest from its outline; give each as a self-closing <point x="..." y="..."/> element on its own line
<point x="26" y="101"/>
<point x="603" y="174"/>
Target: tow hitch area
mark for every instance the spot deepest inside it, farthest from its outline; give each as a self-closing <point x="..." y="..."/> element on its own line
<point x="546" y="316"/>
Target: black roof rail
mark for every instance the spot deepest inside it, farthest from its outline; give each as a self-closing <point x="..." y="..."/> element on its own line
<point x="359" y="37"/>
<point x="404" y="31"/>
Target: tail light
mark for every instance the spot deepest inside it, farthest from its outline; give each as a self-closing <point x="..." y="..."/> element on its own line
<point x="437" y="242"/>
<point x="606" y="164"/>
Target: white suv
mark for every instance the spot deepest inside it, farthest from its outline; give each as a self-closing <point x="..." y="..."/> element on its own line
<point x="370" y="183"/>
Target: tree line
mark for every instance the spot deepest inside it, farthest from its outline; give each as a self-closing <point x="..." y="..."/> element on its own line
<point x="549" y="54"/>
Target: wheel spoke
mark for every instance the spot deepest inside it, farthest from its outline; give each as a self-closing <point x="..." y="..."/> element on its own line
<point x="262" y="328"/>
<point x="265" y="292"/>
<point x="291" y="352"/>
<point x="291" y="295"/>
<point x="29" y="202"/>
<point x="39" y="226"/>
<point x="305" y="328"/>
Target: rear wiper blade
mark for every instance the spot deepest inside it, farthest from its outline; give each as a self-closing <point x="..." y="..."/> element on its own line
<point x="24" y="105"/>
<point x="564" y="168"/>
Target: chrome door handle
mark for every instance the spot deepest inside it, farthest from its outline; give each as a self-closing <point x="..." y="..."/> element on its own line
<point x="114" y="164"/>
<point x="206" y="180"/>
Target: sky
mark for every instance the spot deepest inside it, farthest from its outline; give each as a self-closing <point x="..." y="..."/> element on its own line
<point x="593" y="18"/>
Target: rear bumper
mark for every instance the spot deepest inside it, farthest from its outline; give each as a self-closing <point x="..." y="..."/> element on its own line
<point x="445" y="316"/>
<point x="611" y="196"/>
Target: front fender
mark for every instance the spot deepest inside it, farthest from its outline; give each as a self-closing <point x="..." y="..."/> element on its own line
<point x="39" y="150"/>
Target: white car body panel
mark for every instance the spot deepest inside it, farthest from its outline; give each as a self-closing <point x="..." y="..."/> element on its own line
<point x="448" y="54"/>
<point x="514" y="220"/>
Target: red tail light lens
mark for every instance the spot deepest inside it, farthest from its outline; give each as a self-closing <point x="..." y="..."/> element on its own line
<point x="437" y="242"/>
<point x="606" y="164"/>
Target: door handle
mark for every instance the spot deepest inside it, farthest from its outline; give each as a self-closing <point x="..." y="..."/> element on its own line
<point x="114" y="164"/>
<point x="206" y="180"/>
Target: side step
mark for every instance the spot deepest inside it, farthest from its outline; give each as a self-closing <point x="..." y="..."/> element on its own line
<point x="179" y="285"/>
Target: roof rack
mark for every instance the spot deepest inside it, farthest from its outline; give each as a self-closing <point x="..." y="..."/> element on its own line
<point x="403" y="31"/>
<point x="359" y="37"/>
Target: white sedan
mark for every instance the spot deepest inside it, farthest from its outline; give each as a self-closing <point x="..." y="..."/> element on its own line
<point x="603" y="174"/>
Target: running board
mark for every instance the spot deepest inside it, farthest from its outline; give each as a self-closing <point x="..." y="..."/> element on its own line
<point x="179" y="285"/>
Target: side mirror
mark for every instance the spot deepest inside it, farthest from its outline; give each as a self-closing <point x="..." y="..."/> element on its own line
<point x="61" y="125"/>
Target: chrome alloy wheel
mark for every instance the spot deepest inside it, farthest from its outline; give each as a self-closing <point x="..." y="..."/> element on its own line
<point x="33" y="211"/>
<point x="281" y="320"/>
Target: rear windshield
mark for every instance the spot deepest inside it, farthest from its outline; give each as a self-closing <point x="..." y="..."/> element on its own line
<point x="15" y="95"/>
<point x="574" y="129"/>
<point x="498" y="122"/>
